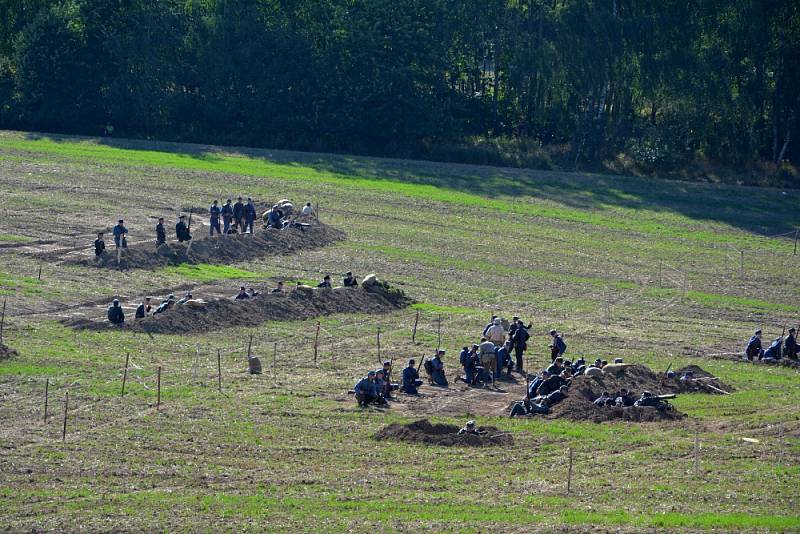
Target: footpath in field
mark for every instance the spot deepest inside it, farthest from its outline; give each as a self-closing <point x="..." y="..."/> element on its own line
<point x="299" y="303"/>
<point x="308" y="234"/>
<point x="459" y="399"/>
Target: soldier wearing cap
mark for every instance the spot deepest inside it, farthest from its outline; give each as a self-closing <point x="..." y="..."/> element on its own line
<point x="99" y="244"/>
<point x="120" y="235"/>
<point x="366" y="392"/>
<point x="349" y="280"/>
<point x="165" y="305"/>
<point x="469" y="428"/>
<point x="143" y="309"/>
<point x="790" y="345"/>
<point x="437" y="369"/>
<point x="753" y="349"/>
<point x="181" y="230"/>
<point x="558" y="347"/>
<point x="161" y="234"/>
<point x="411" y="379"/>
<point x="238" y="215"/>
<point x="115" y="313"/>
<point x="249" y="215"/>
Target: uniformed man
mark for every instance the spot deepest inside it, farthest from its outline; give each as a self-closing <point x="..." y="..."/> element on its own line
<point x="227" y="217"/>
<point x="365" y="391"/>
<point x="349" y="280"/>
<point x="249" y="215"/>
<point x="411" y="379"/>
<point x="143" y="309"/>
<point x="437" y="369"/>
<point x="558" y="347"/>
<point x="326" y="282"/>
<point x="115" y="313"/>
<point x="181" y="230"/>
<point x="99" y="244"/>
<point x="161" y="234"/>
<point x="120" y="235"/>
<point x="790" y="345"/>
<point x="214" y="214"/>
<point x="238" y="215"/>
<point x="753" y="349"/>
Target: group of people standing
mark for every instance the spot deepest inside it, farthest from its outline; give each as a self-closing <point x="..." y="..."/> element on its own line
<point x="236" y="218"/>
<point x="230" y="218"/>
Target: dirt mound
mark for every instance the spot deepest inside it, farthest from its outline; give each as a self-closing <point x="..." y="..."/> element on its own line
<point x="635" y="378"/>
<point x="423" y="431"/>
<point x="291" y="305"/>
<point x="215" y="250"/>
<point x="6" y="352"/>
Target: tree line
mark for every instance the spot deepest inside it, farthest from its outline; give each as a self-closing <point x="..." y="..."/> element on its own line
<point x="659" y="81"/>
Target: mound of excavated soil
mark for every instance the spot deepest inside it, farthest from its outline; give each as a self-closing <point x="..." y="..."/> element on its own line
<point x="635" y="378"/>
<point x="6" y="352"/>
<point x="215" y="250"/>
<point x="222" y="313"/>
<point x="424" y="432"/>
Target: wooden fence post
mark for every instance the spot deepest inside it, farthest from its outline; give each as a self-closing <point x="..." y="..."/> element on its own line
<point x="796" y="234"/>
<point x="39" y="276"/>
<point x="219" y="370"/>
<point x="158" y="398"/>
<point x="46" y="398"/>
<point x="439" y="332"/>
<point x="316" y="343"/>
<point x="3" y="318"/>
<point x="414" y="330"/>
<point x="380" y="362"/>
<point x="64" y="428"/>
<point x="125" y="374"/>
<point x="274" y="360"/>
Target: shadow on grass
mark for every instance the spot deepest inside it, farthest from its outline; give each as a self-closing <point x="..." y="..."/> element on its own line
<point x="763" y="211"/>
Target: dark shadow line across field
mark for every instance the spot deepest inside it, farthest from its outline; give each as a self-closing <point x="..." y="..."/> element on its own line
<point x="763" y="211"/>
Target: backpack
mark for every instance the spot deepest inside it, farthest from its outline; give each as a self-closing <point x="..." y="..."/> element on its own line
<point x="428" y="367"/>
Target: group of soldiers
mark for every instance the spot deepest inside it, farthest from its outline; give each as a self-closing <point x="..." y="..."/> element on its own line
<point x="780" y="348"/>
<point x="116" y="315"/>
<point x="224" y="220"/>
<point x="502" y="348"/>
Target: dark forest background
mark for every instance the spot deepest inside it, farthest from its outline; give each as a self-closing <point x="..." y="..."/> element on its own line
<point x="663" y="86"/>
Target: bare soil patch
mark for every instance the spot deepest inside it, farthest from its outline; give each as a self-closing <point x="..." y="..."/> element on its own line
<point x="462" y="400"/>
<point x="216" y="314"/>
<point x="206" y="249"/>
<point x="423" y="431"/>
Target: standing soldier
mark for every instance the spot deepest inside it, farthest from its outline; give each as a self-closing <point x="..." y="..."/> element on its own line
<point x="238" y="215"/>
<point x="99" y="244"/>
<point x="161" y="234"/>
<point x="214" y="214"/>
<point x="558" y="347"/>
<point x="227" y="217"/>
<point x="120" y="235"/>
<point x="519" y="340"/>
<point x="249" y="215"/>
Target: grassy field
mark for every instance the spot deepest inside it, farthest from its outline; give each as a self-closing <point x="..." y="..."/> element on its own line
<point x="656" y="272"/>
